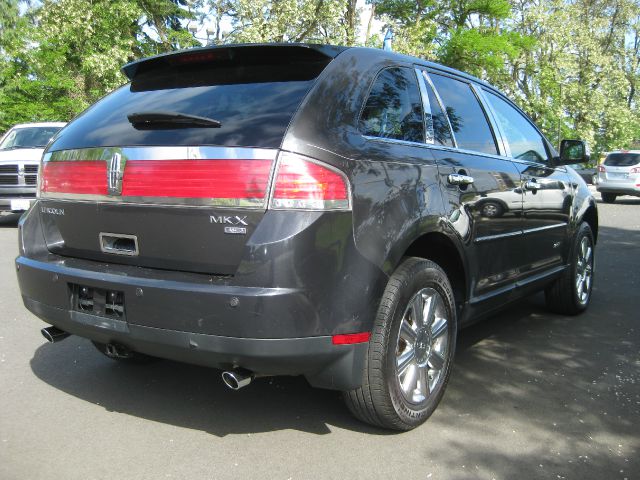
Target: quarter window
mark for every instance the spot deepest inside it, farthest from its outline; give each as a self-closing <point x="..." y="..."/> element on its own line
<point x="524" y="140"/>
<point x="470" y="126"/>
<point x="394" y="108"/>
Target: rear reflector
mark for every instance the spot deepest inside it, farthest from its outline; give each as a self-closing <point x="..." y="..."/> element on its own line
<point x="308" y="185"/>
<point x="219" y="179"/>
<point x="86" y="177"/>
<point x="350" y="338"/>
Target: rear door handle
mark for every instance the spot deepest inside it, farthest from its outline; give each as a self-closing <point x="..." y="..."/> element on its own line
<point x="459" y="179"/>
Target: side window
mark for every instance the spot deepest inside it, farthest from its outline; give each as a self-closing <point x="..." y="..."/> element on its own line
<point x="437" y="126"/>
<point x="394" y="107"/>
<point x="524" y="140"/>
<point x="469" y="123"/>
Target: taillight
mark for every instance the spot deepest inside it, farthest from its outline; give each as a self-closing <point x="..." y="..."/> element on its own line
<point x="85" y="177"/>
<point x="217" y="179"/>
<point x="601" y="169"/>
<point x="305" y="184"/>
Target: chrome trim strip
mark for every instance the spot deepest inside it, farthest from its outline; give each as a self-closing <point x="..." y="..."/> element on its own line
<point x="257" y="203"/>
<point x="518" y="232"/>
<point x="546" y="227"/>
<point x="498" y="236"/>
<point x="442" y="107"/>
<point x="426" y="108"/>
<point x="163" y="153"/>
<point x="499" y="135"/>
<point x="517" y="284"/>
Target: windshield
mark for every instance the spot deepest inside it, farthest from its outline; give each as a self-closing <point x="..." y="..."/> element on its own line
<point x="622" y="159"/>
<point x="29" y="137"/>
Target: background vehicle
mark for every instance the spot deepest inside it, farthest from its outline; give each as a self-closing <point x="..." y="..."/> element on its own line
<point x="619" y="174"/>
<point x="589" y="174"/>
<point x="20" y="153"/>
<point x="303" y="210"/>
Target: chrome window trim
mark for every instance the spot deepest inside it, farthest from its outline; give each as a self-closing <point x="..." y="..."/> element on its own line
<point x="442" y="106"/>
<point x="437" y="147"/>
<point x="501" y="140"/>
<point x="426" y="108"/>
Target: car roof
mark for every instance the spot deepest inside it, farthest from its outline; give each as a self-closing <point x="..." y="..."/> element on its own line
<point x="330" y="51"/>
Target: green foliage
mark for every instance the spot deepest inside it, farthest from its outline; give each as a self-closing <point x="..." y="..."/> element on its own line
<point x="573" y="65"/>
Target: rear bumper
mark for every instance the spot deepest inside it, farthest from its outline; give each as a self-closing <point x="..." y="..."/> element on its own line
<point x="284" y="328"/>
<point x="618" y="188"/>
<point x="325" y="365"/>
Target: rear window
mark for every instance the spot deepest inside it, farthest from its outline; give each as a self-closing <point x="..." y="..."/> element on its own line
<point x="253" y="97"/>
<point x="622" y="159"/>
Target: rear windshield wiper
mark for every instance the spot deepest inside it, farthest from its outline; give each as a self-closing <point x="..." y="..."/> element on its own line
<point x="170" y="120"/>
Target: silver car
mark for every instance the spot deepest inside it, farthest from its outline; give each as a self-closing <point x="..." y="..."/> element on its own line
<point x="619" y="174"/>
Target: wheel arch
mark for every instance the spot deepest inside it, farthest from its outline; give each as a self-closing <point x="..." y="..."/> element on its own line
<point x="441" y="249"/>
<point x="591" y="217"/>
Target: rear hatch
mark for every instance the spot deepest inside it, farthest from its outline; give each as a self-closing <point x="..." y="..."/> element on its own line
<point x="174" y="169"/>
<point x="621" y="167"/>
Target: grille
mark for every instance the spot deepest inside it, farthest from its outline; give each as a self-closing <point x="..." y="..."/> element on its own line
<point x="9" y="180"/>
<point x="10" y="168"/>
<point x="31" y="169"/>
<point x="30" y="179"/>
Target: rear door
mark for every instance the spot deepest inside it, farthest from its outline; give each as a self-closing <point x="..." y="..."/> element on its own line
<point x="548" y="192"/>
<point x="177" y="193"/>
<point x="480" y="185"/>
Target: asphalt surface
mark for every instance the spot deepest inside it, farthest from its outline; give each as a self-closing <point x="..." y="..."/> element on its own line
<point x="533" y="395"/>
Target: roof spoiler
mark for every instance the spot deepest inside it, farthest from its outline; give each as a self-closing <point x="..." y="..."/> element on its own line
<point x="282" y="52"/>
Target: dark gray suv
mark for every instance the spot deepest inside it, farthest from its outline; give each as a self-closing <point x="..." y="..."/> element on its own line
<point x="337" y="213"/>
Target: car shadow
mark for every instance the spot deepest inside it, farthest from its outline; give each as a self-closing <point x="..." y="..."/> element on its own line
<point x="195" y="397"/>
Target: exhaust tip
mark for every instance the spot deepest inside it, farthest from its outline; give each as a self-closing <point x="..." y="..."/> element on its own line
<point x="237" y="379"/>
<point x="53" y="334"/>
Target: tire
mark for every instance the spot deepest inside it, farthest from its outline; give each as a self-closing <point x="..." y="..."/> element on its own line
<point x="492" y="210"/>
<point x="608" y="197"/>
<point x="124" y="356"/>
<point x="571" y="293"/>
<point x="391" y="358"/>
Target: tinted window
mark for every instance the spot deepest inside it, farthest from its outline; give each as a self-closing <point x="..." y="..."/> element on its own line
<point x="436" y="122"/>
<point x="467" y="118"/>
<point x="31" y="137"/>
<point x="254" y="102"/>
<point x="524" y="140"/>
<point x="622" y="159"/>
<point x="394" y="107"/>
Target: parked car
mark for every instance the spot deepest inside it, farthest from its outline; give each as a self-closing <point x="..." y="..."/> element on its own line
<point x="303" y="210"/>
<point x="20" y="153"/>
<point x="619" y="174"/>
<point x="588" y="174"/>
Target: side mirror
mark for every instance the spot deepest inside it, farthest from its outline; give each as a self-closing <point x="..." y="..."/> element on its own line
<point x="573" y="151"/>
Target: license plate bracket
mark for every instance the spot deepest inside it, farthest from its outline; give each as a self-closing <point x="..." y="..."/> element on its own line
<point x="98" y="301"/>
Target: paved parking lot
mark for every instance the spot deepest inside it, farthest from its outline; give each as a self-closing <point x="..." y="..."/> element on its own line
<point x="533" y="395"/>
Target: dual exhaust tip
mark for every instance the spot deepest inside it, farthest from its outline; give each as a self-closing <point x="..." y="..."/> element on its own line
<point x="234" y="379"/>
<point x="237" y="378"/>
